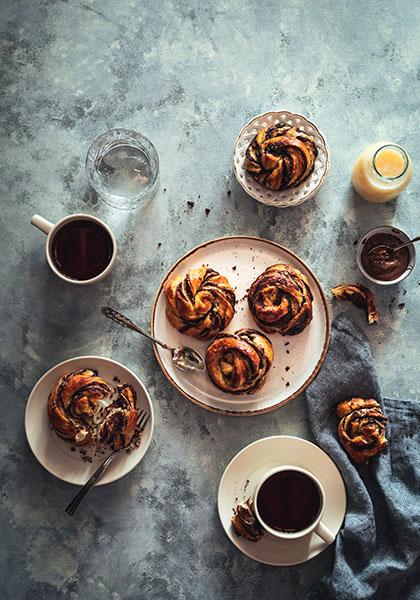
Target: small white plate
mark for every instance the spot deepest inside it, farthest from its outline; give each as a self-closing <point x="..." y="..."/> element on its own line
<point x="291" y="196"/>
<point x="241" y="477"/>
<point x="55" y="454"/>
<point x="297" y="359"/>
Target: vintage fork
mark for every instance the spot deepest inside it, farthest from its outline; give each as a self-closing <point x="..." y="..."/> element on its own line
<point x="75" y="503"/>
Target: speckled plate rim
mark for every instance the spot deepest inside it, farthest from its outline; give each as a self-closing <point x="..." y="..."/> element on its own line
<point x="249" y="413"/>
<point x="322" y="179"/>
<point x="141" y="450"/>
<point x="286" y="438"/>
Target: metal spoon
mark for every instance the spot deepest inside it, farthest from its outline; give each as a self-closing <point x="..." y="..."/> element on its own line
<point x="391" y="250"/>
<point x="184" y="358"/>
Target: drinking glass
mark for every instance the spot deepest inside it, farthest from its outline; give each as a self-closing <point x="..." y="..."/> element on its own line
<point x="123" y="167"/>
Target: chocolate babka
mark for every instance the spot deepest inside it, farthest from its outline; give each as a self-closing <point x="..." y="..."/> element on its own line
<point x="280" y="300"/>
<point x="361" y="430"/>
<point x="84" y="409"/>
<point x="360" y="296"/>
<point x="244" y="522"/>
<point x="238" y="363"/>
<point x="280" y="157"/>
<point x="201" y="303"/>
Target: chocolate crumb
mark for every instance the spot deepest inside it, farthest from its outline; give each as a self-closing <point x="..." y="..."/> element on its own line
<point x="287" y="369"/>
<point x="287" y="384"/>
<point x="355" y="242"/>
<point x="401" y="305"/>
<point x="287" y="343"/>
<point x="207" y="211"/>
<point x="159" y="244"/>
<point x="234" y="268"/>
<point x="73" y="449"/>
<point x="190" y="203"/>
<point x="116" y="379"/>
<point x="404" y="292"/>
<point x="229" y="192"/>
<point x="164" y="189"/>
<point x="287" y="351"/>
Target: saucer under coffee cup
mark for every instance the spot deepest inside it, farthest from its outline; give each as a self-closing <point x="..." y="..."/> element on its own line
<point x="289" y="504"/>
<point x="80" y="248"/>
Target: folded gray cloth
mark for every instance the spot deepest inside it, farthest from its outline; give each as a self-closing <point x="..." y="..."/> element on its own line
<point x="377" y="553"/>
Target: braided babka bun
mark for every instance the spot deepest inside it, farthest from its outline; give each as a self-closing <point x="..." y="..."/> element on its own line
<point x="280" y="157"/>
<point x="280" y="300"/>
<point x="361" y="430"/>
<point x="238" y="363"/>
<point x="201" y="303"/>
<point x="84" y="409"/>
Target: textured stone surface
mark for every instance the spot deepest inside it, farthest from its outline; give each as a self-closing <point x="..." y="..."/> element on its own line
<point x="188" y="75"/>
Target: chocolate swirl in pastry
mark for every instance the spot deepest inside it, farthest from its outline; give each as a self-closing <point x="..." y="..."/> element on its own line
<point x="84" y="409"/>
<point x="360" y="296"/>
<point x="280" y="300"/>
<point x="238" y="363"/>
<point x="200" y="304"/>
<point x="361" y="430"/>
<point x="280" y="157"/>
<point x="245" y="523"/>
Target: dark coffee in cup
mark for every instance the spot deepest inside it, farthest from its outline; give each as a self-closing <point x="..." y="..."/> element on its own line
<point x="289" y="501"/>
<point x="81" y="249"/>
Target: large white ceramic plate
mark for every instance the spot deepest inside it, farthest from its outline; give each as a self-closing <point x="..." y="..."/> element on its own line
<point x="241" y="477"/>
<point x="297" y="359"/>
<point x="55" y="454"/>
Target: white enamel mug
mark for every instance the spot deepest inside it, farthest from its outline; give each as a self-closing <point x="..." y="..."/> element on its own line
<point x="317" y="526"/>
<point x="50" y="229"/>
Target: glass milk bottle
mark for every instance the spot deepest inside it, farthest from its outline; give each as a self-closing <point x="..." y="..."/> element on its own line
<point x="381" y="172"/>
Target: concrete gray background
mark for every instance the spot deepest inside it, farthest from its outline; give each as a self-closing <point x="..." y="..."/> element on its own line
<point x="187" y="74"/>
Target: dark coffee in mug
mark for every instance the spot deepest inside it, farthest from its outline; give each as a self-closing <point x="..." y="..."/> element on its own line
<point x="289" y="501"/>
<point x="81" y="249"/>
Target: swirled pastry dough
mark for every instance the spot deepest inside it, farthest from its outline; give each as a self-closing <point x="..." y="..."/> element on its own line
<point x="361" y="430"/>
<point x="84" y="409"/>
<point x="201" y="303"/>
<point x="280" y="300"/>
<point x="238" y="363"/>
<point x="280" y="157"/>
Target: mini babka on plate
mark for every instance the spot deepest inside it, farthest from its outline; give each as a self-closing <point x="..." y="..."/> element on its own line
<point x="280" y="156"/>
<point x="280" y="300"/>
<point x="201" y="303"/>
<point x="86" y="410"/>
<point x="238" y="363"/>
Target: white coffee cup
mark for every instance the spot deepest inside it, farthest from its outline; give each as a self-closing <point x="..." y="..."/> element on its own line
<point x="50" y="229"/>
<point x="316" y="526"/>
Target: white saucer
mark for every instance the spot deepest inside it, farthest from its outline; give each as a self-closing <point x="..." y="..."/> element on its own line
<point x="55" y="454"/>
<point x="239" y="481"/>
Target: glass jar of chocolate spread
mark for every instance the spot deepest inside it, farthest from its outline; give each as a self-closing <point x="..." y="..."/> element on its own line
<point x="379" y="262"/>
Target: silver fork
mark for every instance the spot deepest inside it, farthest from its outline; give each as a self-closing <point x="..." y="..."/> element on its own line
<point x="75" y="503"/>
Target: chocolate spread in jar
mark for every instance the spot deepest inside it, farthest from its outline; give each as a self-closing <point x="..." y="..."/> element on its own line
<point x="384" y="264"/>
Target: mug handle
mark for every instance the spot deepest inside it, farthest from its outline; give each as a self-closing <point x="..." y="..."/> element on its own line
<point x="42" y="224"/>
<point x="324" y="533"/>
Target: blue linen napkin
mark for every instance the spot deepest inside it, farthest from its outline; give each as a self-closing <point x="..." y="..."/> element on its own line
<point x="377" y="553"/>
